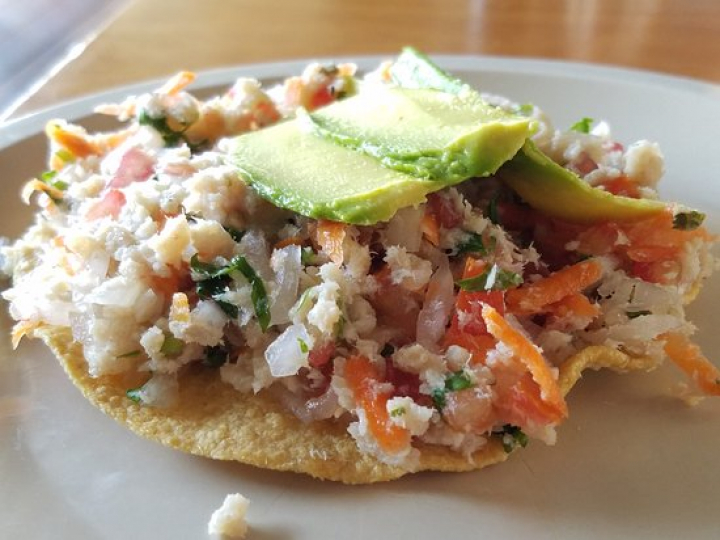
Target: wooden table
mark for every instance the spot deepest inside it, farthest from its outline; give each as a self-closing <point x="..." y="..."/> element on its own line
<point x="154" y="38"/>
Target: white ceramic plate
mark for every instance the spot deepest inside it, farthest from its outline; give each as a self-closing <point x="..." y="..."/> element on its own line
<point x="631" y="461"/>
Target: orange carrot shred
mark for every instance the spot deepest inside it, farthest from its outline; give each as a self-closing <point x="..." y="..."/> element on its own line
<point x="72" y="138"/>
<point x="363" y="379"/>
<point x="535" y="297"/>
<point x="690" y="359"/>
<point x="577" y="305"/>
<point x="177" y="83"/>
<point x="527" y="353"/>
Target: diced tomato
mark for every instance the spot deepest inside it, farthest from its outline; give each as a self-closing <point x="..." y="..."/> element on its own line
<point x="395" y="307"/>
<point x="584" y="164"/>
<point x="109" y="205"/>
<point x="135" y="166"/>
<point x="321" y="354"/>
<point x="444" y="211"/>
<point x="406" y="384"/>
<point x="519" y="403"/>
<point x="322" y="96"/>
<point x="662" y="272"/>
<point x="622" y="186"/>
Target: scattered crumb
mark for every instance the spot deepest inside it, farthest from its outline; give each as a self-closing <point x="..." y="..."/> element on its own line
<point x="228" y="521"/>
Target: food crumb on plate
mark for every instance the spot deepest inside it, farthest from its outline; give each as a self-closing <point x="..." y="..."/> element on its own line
<point x="228" y="521"/>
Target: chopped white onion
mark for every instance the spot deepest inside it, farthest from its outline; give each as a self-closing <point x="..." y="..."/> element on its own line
<point x="289" y="352"/>
<point x="404" y="229"/>
<point x="287" y="266"/>
<point x="317" y="408"/>
<point x="437" y="307"/>
<point x="118" y="291"/>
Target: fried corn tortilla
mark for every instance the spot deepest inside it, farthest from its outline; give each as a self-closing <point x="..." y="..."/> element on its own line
<point x="213" y="420"/>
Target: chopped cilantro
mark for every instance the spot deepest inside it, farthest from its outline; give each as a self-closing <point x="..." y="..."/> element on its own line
<point x="475" y="244"/>
<point x="49" y="178"/>
<point x="525" y="109"/>
<point x="130" y="354"/>
<point x="65" y="155"/>
<point x="512" y="437"/>
<point x="308" y="256"/>
<point x="457" y="381"/>
<point x="160" y="124"/>
<point x="583" y="125"/>
<point x="439" y="399"/>
<point x="172" y="347"/>
<point x="215" y="356"/>
<point x="454" y="382"/>
<point x="258" y="294"/>
<point x="491" y="279"/>
<point x="688" y="220"/>
<point x="636" y="314"/>
<point x="212" y="281"/>
<point x="235" y="234"/>
<point x="303" y="346"/>
<point x="135" y="394"/>
<point x="397" y="411"/>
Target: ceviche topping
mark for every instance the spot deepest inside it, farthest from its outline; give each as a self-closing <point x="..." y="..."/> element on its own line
<point x="396" y="253"/>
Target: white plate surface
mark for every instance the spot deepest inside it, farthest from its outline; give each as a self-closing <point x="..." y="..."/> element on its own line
<point x="631" y="462"/>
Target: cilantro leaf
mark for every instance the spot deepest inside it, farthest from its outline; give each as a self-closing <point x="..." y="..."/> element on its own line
<point x="160" y="124"/>
<point x="454" y="382"/>
<point x="491" y="279"/>
<point x="172" y="346"/>
<point x="475" y="244"/>
<point x="134" y="394"/>
<point x="636" y="314"/>
<point x="212" y="281"/>
<point x="512" y="437"/>
<point x="688" y="220"/>
<point x="583" y="125"/>
<point x="457" y="381"/>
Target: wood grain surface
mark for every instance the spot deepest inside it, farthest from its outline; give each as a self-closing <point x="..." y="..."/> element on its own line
<point x="154" y="38"/>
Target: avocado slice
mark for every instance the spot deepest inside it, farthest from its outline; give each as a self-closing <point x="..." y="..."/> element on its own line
<point x="557" y="192"/>
<point x="540" y="181"/>
<point x="413" y="69"/>
<point x="425" y="133"/>
<point x="297" y="170"/>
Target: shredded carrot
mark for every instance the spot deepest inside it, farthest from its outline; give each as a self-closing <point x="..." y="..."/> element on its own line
<point x="689" y="358"/>
<point x="527" y="353"/>
<point x="430" y="229"/>
<point x="577" y="305"/>
<point x="330" y="236"/>
<point x="363" y="379"/>
<point x="535" y="297"/>
<point x="290" y="241"/>
<point x="35" y="186"/>
<point x="73" y="138"/>
<point x="177" y="83"/>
